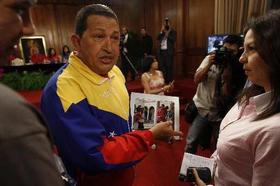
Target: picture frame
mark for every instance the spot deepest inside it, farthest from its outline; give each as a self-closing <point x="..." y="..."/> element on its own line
<point x="148" y="109"/>
<point x="33" y="49"/>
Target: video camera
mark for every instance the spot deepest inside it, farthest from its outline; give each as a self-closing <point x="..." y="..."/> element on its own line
<point x="222" y="54"/>
<point x="166" y="25"/>
<point x="204" y="174"/>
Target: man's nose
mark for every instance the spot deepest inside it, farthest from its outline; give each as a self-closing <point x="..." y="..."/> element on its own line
<point x="108" y="44"/>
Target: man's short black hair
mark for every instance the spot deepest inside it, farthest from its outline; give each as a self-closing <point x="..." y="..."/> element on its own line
<point x="93" y="9"/>
<point x="234" y="39"/>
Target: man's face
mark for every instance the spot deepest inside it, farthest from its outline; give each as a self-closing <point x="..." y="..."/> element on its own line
<point x="124" y="31"/>
<point x="14" y="23"/>
<point x="143" y="31"/>
<point x="99" y="45"/>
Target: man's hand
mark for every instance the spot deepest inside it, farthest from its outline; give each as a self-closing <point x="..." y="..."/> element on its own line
<point x="211" y="58"/>
<point x="164" y="131"/>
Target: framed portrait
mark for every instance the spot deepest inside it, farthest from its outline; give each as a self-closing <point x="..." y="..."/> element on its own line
<point x="147" y="110"/>
<point x="33" y="49"/>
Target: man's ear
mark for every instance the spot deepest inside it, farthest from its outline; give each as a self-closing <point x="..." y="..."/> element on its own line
<point x="76" y="41"/>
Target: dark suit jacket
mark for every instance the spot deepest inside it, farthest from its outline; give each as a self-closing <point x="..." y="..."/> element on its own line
<point x="171" y="39"/>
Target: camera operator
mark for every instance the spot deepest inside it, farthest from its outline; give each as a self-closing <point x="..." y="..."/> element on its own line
<point x="166" y="40"/>
<point x="219" y="78"/>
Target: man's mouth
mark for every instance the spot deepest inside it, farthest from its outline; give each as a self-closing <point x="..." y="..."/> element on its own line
<point x="107" y="59"/>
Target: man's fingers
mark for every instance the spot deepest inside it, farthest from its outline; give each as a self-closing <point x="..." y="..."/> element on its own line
<point x="177" y="133"/>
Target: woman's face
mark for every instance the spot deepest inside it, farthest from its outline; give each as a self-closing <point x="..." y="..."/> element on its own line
<point x="154" y="65"/>
<point x="253" y="65"/>
<point x="65" y="49"/>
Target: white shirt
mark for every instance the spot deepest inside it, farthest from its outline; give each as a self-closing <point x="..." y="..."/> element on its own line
<point x="248" y="152"/>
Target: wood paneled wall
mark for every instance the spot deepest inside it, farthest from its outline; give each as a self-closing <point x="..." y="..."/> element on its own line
<point x="192" y="19"/>
<point x="55" y="18"/>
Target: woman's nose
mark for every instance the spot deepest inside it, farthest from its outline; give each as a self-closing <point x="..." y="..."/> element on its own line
<point x="243" y="57"/>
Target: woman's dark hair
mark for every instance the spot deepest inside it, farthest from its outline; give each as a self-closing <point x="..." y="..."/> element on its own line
<point x="148" y="61"/>
<point x="267" y="40"/>
<point x="50" y="52"/>
<point x="65" y="53"/>
<point x="93" y="9"/>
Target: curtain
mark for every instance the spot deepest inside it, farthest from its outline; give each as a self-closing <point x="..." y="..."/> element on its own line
<point x="232" y="15"/>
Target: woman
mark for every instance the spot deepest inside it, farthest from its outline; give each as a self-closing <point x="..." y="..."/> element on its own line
<point x="52" y="56"/>
<point x="152" y="79"/>
<point x="65" y="54"/>
<point x="248" y="150"/>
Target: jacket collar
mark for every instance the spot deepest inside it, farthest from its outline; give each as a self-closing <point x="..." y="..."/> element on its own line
<point x="85" y="71"/>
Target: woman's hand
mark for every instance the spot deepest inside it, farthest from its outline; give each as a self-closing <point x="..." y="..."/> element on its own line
<point x="169" y="87"/>
<point x="198" y="181"/>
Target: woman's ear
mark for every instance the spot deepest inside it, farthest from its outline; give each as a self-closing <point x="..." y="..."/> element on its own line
<point x="75" y="39"/>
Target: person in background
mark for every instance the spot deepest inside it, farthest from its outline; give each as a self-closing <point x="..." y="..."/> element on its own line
<point x="65" y="54"/>
<point x="26" y="155"/>
<point x="248" y="150"/>
<point x="152" y="79"/>
<point x="219" y="80"/>
<point x="53" y="57"/>
<point x="86" y="104"/>
<point x="146" y="43"/>
<point x="128" y="66"/>
<point x="166" y="39"/>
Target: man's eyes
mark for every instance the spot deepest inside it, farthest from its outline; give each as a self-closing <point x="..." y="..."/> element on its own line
<point x="100" y="37"/>
<point x="116" y="38"/>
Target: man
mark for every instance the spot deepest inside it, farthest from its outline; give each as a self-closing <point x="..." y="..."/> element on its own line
<point x="87" y="106"/>
<point x="26" y="156"/>
<point x="146" y="43"/>
<point x="219" y="78"/>
<point x="128" y="55"/>
<point x="166" y="39"/>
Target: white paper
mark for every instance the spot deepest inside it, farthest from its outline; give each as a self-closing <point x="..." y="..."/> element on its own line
<point x="192" y="160"/>
<point x="152" y="104"/>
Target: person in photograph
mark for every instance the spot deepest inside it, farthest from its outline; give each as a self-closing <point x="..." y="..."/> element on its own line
<point x="86" y="104"/>
<point x="152" y="79"/>
<point x="35" y="56"/>
<point x="248" y="144"/>
<point x="26" y="153"/>
<point x="33" y="47"/>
